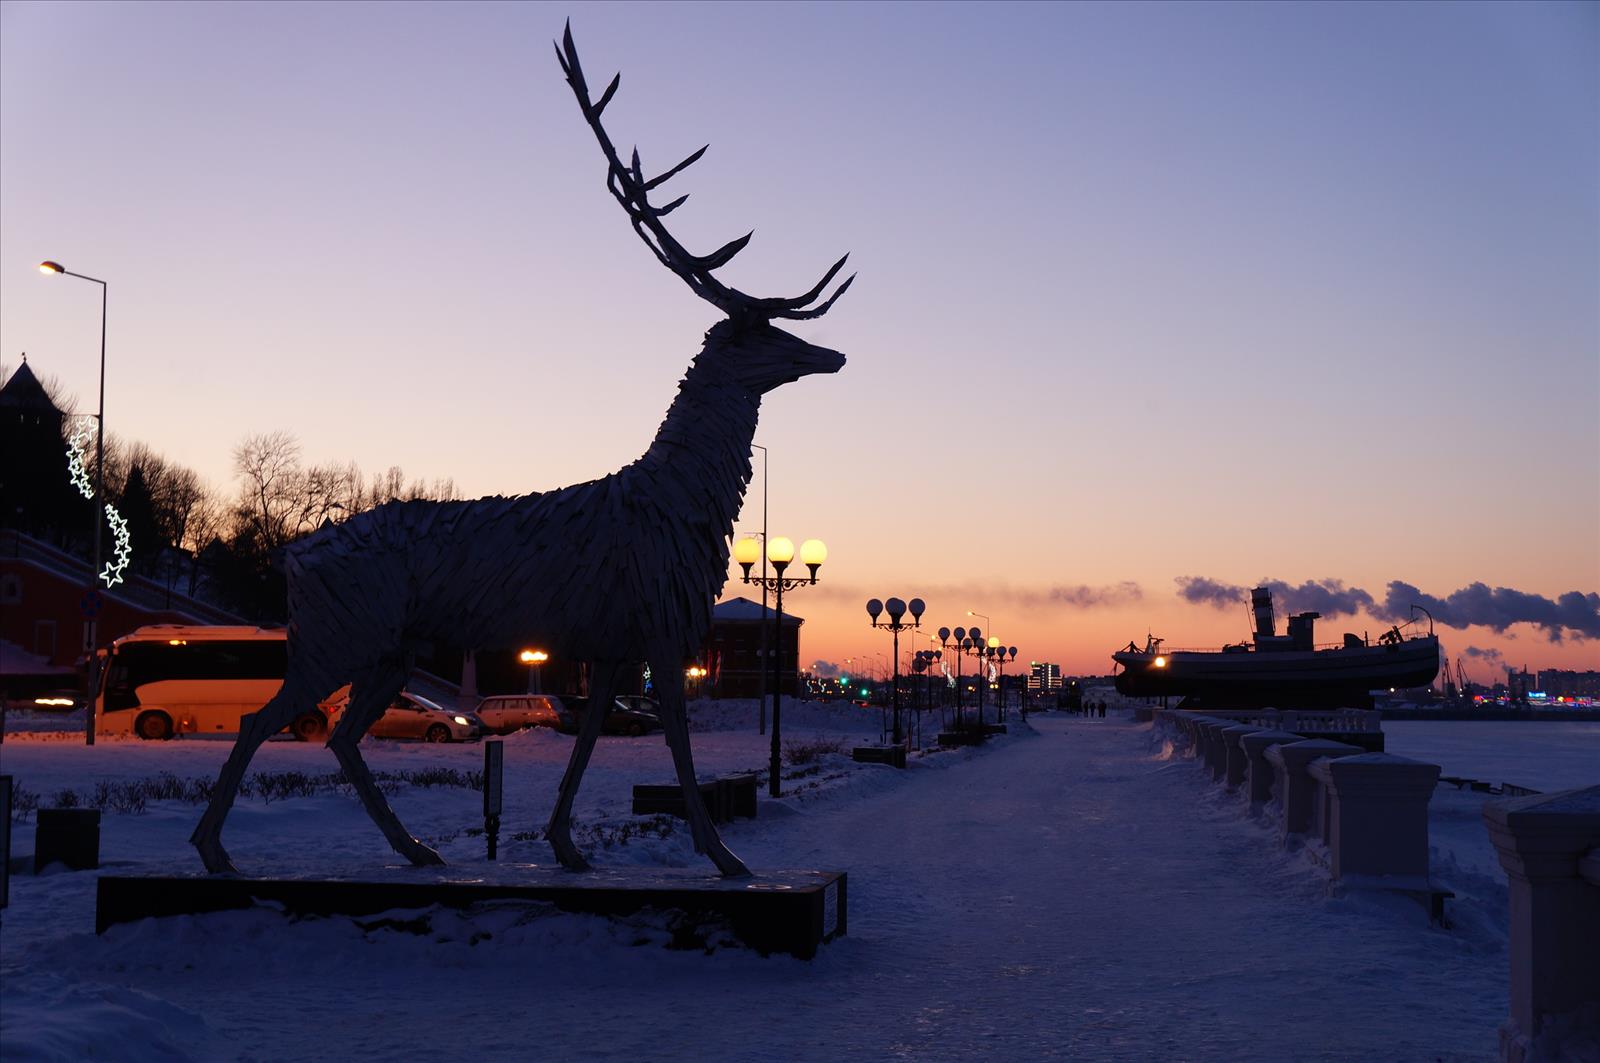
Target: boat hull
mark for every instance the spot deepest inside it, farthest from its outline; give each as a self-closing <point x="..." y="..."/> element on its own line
<point x="1280" y="678"/>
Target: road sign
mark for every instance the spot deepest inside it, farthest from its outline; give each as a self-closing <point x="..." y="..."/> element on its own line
<point x="90" y="604"/>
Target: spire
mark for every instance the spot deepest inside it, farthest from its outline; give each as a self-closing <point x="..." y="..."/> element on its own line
<point x="23" y="391"/>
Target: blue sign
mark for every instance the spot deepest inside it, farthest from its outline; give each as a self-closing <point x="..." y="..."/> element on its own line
<point x="90" y="604"/>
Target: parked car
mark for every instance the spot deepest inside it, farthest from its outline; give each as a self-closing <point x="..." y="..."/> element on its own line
<point x="622" y="719"/>
<point x="505" y="713"/>
<point x="641" y="703"/>
<point x="414" y="716"/>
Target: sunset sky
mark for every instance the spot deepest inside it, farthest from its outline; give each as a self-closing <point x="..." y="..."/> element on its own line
<point x="1146" y="293"/>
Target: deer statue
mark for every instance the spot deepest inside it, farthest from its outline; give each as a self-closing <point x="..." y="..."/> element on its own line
<point x="614" y="571"/>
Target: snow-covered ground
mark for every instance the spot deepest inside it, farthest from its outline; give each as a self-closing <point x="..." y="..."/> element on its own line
<point x="1066" y="892"/>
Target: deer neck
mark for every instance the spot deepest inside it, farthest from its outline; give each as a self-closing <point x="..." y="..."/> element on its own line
<point x="703" y="446"/>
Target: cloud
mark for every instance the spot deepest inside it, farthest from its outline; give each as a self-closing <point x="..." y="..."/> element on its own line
<point x="993" y="598"/>
<point x="1573" y="614"/>
<point x="1083" y="595"/>
<point x="824" y="669"/>
<point x="1330" y="597"/>
<point x="1491" y="655"/>
<point x="1203" y="591"/>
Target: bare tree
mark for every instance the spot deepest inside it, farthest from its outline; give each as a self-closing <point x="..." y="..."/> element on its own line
<point x="271" y="495"/>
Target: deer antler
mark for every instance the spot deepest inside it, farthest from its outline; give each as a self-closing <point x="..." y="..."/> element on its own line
<point x="629" y="187"/>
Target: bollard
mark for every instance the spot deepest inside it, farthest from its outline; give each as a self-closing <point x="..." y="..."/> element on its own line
<point x="1296" y="789"/>
<point x="1258" y="771"/>
<point x="1542" y="842"/>
<point x="1375" y="818"/>
<point x="1233" y="755"/>
<point x="493" y="789"/>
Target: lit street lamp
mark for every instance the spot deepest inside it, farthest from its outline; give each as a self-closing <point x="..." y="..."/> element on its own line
<point x="896" y="609"/>
<point x="780" y="552"/>
<point x="534" y="659"/>
<point x="90" y="641"/>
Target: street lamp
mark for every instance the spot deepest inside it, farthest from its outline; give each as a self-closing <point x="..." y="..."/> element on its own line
<point x="90" y="640"/>
<point x="534" y="659"/>
<point x="697" y="675"/>
<point x="973" y="644"/>
<point x="780" y="553"/>
<point x="896" y="610"/>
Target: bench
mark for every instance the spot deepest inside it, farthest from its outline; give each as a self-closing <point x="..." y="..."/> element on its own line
<point x="727" y="798"/>
<point x="894" y="756"/>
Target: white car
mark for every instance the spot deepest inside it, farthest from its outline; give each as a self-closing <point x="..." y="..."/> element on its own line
<point x="505" y="713"/>
<point x="414" y="716"/>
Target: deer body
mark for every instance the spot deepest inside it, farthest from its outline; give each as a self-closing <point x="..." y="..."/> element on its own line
<point x="613" y="571"/>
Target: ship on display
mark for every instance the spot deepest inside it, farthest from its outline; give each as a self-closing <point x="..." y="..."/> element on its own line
<point x="1283" y="671"/>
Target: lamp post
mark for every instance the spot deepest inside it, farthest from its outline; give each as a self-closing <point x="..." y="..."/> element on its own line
<point x="780" y="552"/>
<point x="90" y="639"/>
<point x="697" y="676"/>
<point x="534" y="659"/>
<point x="896" y="610"/>
<point x="1001" y="654"/>
<point x="973" y="644"/>
<point x="956" y="637"/>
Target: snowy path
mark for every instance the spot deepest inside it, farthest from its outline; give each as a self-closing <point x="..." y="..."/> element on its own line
<point x="1059" y="895"/>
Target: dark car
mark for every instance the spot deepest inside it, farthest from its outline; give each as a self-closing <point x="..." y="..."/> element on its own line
<point x="622" y="719"/>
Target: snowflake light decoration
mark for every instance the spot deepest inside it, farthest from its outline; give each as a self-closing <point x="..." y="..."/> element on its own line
<point x="123" y="550"/>
<point x="77" y="452"/>
<point x="77" y="468"/>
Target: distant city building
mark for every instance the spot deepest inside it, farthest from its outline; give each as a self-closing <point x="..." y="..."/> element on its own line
<point x="1564" y="683"/>
<point x="1044" y="676"/>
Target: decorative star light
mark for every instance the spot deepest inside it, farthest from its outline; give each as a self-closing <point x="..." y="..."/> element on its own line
<point x="77" y="451"/>
<point x="123" y="550"/>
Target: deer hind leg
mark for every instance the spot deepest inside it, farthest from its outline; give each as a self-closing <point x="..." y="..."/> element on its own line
<point x="668" y="671"/>
<point x="296" y="696"/>
<point x="602" y="688"/>
<point x="372" y="693"/>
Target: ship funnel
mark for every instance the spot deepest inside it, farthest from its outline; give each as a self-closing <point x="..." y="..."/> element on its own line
<point x="1261" y="603"/>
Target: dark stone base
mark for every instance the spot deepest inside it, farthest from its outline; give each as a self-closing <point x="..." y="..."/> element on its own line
<point x="894" y="756"/>
<point x="776" y="911"/>
<point x="69" y="836"/>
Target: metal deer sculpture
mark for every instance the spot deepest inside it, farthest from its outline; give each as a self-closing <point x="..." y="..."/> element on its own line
<point x="614" y="571"/>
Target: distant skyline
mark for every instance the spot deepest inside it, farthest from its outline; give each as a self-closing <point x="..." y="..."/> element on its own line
<point x="1148" y="293"/>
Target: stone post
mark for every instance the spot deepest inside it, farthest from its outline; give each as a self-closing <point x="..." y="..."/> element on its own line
<point x="1375" y="821"/>
<point x="1233" y="755"/>
<point x="1215" y="753"/>
<point x="1258" y="773"/>
<point x="1295" y="787"/>
<point x="1545" y="844"/>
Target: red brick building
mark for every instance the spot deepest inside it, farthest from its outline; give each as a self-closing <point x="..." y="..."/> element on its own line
<point x="734" y="655"/>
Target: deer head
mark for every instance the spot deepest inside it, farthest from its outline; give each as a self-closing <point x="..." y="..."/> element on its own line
<point x="747" y="348"/>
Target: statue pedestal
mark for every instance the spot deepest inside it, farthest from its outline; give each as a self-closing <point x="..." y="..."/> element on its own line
<point x="775" y="911"/>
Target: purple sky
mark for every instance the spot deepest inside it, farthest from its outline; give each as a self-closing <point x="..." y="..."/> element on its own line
<point x="1145" y="291"/>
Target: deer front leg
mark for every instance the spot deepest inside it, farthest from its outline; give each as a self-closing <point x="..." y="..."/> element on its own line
<point x="602" y="688"/>
<point x="668" y="672"/>
<point x="254" y="729"/>
<point x="370" y="695"/>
